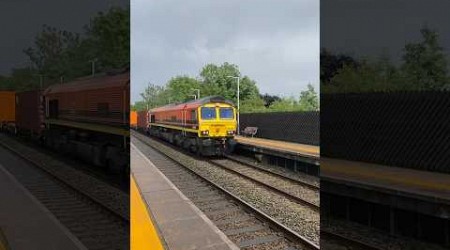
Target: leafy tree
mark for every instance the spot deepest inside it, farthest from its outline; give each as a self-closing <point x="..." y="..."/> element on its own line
<point x="139" y="106"/>
<point x="181" y="88"/>
<point x="425" y="63"/>
<point x="50" y="54"/>
<point x="424" y="68"/>
<point x="309" y="100"/>
<point x="252" y="105"/>
<point x="331" y="64"/>
<point x="216" y="80"/>
<point x="269" y="99"/>
<point x="60" y="53"/>
<point x="285" y="105"/>
<point x="154" y="96"/>
<point x="109" y="34"/>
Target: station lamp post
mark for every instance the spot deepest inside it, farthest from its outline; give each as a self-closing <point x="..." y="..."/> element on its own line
<point x="238" y="80"/>
<point x="41" y="80"/>
<point x="198" y="93"/>
<point x="93" y="61"/>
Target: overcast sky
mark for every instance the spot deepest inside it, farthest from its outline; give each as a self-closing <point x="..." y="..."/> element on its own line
<point x="21" y="20"/>
<point x="371" y="27"/>
<point x="274" y="42"/>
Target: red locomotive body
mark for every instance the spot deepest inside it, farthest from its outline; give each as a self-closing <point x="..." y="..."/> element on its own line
<point x="99" y="100"/>
<point x="90" y="118"/>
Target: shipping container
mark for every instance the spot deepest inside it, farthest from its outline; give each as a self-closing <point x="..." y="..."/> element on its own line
<point x="142" y="120"/>
<point x="133" y="119"/>
<point x="29" y="112"/>
<point x="7" y="108"/>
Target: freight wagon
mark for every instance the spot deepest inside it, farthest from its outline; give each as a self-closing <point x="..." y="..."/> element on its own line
<point x="133" y="119"/>
<point x="30" y="113"/>
<point x="7" y="110"/>
<point x="142" y="121"/>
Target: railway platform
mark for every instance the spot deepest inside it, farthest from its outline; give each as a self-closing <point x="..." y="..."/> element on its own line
<point x="424" y="183"/>
<point x="296" y="156"/>
<point x="25" y="223"/>
<point x="398" y="200"/>
<point x="170" y="218"/>
<point x="409" y="183"/>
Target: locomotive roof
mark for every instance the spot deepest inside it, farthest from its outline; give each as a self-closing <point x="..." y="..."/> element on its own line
<point x="194" y="103"/>
<point x="89" y="83"/>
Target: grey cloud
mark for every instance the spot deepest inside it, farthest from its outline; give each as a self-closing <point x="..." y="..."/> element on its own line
<point x="20" y="21"/>
<point x="274" y="42"/>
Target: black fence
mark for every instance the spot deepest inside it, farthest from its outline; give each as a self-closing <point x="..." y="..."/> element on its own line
<point x="299" y="127"/>
<point x="409" y="130"/>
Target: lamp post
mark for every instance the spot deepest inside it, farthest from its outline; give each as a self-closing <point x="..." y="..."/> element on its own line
<point x="195" y="97"/>
<point x="41" y="80"/>
<point x="238" y="80"/>
<point x="147" y="91"/>
<point x="93" y="65"/>
<point x="198" y="93"/>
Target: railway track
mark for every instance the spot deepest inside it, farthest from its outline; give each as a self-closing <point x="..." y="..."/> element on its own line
<point x="294" y="190"/>
<point x="93" y="211"/>
<point x="302" y="179"/>
<point x="346" y="241"/>
<point x="245" y="224"/>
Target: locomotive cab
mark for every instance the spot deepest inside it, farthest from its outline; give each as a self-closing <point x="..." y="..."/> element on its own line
<point x="217" y="120"/>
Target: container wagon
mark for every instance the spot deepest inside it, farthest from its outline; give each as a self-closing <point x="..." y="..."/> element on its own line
<point x="142" y="121"/>
<point x="7" y="110"/>
<point x="30" y="113"/>
<point x="133" y="119"/>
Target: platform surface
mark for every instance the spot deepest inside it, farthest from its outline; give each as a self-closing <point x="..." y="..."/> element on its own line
<point x="26" y="224"/>
<point x="289" y="147"/>
<point x="179" y="223"/>
<point x="425" y="183"/>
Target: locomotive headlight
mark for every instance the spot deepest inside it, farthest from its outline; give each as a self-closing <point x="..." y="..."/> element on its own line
<point x="205" y="132"/>
<point x="230" y="132"/>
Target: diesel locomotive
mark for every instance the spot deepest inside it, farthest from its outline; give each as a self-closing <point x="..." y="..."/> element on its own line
<point x="87" y="118"/>
<point x="205" y="126"/>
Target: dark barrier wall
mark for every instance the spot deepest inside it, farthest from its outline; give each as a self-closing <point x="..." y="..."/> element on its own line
<point x="403" y="129"/>
<point x="299" y="127"/>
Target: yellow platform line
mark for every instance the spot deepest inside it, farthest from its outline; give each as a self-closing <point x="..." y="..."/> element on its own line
<point x="3" y="241"/>
<point x="143" y="232"/>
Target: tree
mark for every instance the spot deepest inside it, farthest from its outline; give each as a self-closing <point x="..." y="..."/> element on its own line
<point x="181" y="88"/>
<point x="109" y="34"/>
<point x="153" y="96"/>
<point x="309" y="100"/>
<point x="331" y="64"/>
<point x="50" y="54"/>
<point x="60" y="53"/>
<point x="286" y="104"/>
<point x="269" y="99"/>
<point x="425" y="64"/>
<point x="138" y="106"/>
<point x="216" y="80"/>
<point x="253" y="105"/>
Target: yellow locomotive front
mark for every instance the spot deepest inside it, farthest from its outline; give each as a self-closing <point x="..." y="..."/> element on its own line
<point x="217" y="120"/>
